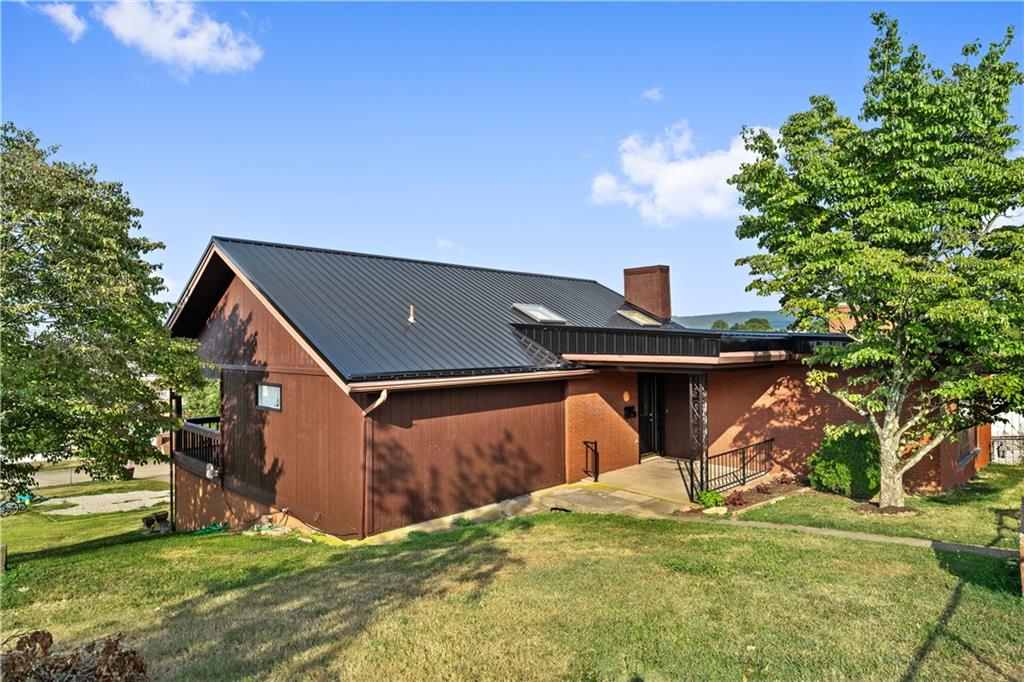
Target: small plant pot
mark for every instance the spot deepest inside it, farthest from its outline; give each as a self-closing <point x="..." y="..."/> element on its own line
<point x="128" y="473"/>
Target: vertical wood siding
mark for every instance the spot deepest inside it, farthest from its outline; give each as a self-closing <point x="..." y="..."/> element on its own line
<point x="307" y="457"/>
<point x="438" y="452"/>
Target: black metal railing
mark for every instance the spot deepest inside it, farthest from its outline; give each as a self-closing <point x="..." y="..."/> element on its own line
<point x="736" y="467"/>
<point x="591" y="459"/>
<point x="198" y="439"/>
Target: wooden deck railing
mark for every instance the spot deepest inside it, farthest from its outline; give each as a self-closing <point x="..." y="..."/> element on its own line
<point x="199" y="440"/>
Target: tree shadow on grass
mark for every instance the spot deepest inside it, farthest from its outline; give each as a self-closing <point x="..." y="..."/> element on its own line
<point x="991" y="573"/>
<point x="993" y="482"/>
<point x="309" y="619"/>
<point x="79" y="547"/>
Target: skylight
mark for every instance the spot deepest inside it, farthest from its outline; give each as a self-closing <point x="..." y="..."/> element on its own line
<point x="538" y="313"/>
<point x="638" y="317"/>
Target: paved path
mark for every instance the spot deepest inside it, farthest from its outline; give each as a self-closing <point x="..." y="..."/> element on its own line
<point x="603" y="499"/>
<point x="108" y="502"/>
<point x="47" y="477"/>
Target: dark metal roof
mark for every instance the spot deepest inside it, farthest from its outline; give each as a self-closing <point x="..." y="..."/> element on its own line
<point x="354" y="308"/>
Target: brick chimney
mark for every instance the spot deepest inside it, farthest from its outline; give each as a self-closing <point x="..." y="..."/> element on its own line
<point x="648" y="288"/>
<point x="841" y="321"/>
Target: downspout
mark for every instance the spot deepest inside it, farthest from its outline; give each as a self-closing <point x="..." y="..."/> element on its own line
<point x="367" y="461"/>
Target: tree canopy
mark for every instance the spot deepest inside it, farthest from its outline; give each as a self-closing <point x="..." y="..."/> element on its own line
<point x="910" y="216"/>
<point x="83" y="348"/>
<point x="754" y="324"/>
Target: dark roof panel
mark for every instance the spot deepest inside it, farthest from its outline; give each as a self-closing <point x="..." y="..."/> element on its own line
<point x="354" y="309"/>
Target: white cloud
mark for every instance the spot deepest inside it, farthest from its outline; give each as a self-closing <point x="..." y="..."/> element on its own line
<point x="667" y="180"/>
<point x="448" y="245"/>
<point x="64" y="15"/>
<point x="180" y="34"/>
<point x="653" y="94"/>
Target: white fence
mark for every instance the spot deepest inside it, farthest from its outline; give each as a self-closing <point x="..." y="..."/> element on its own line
<point x="1008" y="440"/>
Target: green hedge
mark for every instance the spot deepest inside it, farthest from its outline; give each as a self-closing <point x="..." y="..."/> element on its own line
<point x="847" y="462"/>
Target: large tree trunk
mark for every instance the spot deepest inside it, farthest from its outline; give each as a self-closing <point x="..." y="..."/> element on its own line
<point x="891" y="493"/>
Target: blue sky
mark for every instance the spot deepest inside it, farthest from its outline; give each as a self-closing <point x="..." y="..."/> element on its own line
<point x="575" y="139"/>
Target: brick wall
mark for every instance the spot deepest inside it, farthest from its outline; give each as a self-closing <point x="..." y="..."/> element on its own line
<point x="594" y="411"/>
<point x="750" y="405"/>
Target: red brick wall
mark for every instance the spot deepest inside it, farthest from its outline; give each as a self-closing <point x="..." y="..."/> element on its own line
<point x="926" y="476"/>
<point x="750" y="405"/>
<point x="747" y="406"/>
<point x="594" y="411"/>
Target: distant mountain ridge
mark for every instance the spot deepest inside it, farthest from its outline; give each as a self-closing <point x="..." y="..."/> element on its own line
<point x="776" y="318"/>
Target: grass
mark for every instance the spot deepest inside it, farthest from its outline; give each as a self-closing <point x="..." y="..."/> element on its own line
<point x="985" y="511"/>
<point x="62" y="464"/>
<point x="100" y="488"/>
<point x="556" y="596"/>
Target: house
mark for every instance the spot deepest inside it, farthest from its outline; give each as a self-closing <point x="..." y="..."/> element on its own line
<point x="361" y="393"/>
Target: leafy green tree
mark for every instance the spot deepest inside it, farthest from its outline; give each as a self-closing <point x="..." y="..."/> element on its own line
<point x="754" y="324"/>
<point x="719" y="324"/>
<point x="83" y="348"/>
<point x="912" y="218"/>
<point x="203" y="400"/>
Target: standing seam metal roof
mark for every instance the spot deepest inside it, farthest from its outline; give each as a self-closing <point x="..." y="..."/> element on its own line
<point x="353" y="308"/>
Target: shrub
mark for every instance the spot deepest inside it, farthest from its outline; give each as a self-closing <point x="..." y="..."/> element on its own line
<point x="735" y="499"/>
<point x="846" y="463"/>
<point x="763" y="489"/>
<point x="710" y="498"/>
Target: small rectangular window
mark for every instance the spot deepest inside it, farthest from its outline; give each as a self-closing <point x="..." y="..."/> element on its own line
<point x="268" y="396"/>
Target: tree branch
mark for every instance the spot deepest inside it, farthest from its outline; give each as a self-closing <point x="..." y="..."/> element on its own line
<point x="935" y="442"/>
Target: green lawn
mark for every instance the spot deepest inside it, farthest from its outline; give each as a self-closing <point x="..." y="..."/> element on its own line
<point x="556" y="596"/>
<point x="985" y="511"/>
<point x="100" y="488"/>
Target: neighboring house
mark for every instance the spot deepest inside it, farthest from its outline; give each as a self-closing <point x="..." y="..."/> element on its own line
<point x="362" y="393"/>
<point x="1008" y="439"/>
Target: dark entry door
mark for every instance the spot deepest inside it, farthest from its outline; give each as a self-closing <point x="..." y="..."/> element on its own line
<point x="650" y="408"/>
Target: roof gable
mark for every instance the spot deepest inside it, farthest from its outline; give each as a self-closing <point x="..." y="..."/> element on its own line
<point x="354" y="308"/>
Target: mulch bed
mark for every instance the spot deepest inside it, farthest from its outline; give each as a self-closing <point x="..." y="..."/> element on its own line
<point x="873" y="508"/>
<point x="776" y="486"/>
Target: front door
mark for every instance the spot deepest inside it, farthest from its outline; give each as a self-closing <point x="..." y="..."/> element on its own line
<point x="650" y="409"/>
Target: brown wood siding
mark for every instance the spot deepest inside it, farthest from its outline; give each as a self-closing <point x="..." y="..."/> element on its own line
<point x="438" y="452"/>
<point x="307" y="457"/>
<point x="241" y="331"/>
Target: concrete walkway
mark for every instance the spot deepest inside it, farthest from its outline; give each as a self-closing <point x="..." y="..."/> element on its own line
<point x="596" y="498"/>
<point x="659" y="477"/>
<point x="601" y="498"/>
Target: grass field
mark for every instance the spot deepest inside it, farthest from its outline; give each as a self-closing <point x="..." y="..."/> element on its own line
<point x="985" y="511"/>
<point x="556" y="596"/>
<point x="100" y="488"/>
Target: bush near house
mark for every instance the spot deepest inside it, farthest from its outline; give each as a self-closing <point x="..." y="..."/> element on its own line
<point x="710" y="498"/>
<point x="847" y="463"/>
